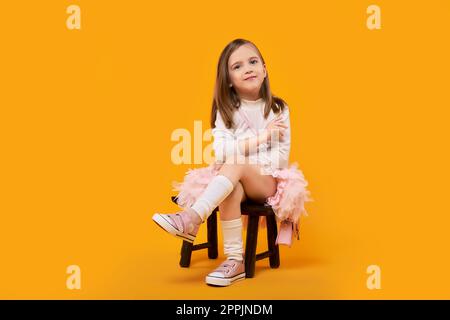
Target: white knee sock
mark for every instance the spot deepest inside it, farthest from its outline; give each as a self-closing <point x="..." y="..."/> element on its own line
<point x="216" y="191"/>
<point x="232" y="239"/>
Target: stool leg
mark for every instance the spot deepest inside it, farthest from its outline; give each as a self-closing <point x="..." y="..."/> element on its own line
<point x="213" y="251"/>
<point x="250" y="246"/>
<point x="274" y="257"/>
<point x="186" y="252"/>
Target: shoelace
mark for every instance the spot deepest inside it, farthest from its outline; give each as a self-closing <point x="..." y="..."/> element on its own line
<point x="179" y="222"/>
<point x="225" y="267"/>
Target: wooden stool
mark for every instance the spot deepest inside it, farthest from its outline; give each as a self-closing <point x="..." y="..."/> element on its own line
<point x="253" y="210"/>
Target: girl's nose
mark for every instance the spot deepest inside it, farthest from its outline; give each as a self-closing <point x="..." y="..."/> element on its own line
<point x="248" y="70"/>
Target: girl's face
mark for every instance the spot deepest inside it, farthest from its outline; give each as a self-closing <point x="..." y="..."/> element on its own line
<point x="247" y="72"/>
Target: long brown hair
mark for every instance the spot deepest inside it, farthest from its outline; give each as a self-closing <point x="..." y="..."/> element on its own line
<point x="226" y="100"/>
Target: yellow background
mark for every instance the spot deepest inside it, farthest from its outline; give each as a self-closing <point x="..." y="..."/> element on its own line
<point x="87" y="115"/>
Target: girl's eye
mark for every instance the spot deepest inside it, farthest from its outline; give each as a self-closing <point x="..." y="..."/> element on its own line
<point x="252" y="62"/>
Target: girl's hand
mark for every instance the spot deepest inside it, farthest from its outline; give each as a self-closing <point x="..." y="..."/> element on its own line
<point x="276" y="127"/>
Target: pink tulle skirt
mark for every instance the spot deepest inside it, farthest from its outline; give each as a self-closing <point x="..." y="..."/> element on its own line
<point x="288" y="202"/>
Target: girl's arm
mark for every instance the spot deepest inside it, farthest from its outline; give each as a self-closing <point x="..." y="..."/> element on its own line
<point x="276" y="126"/>
<point x="250" y="145"/>
<point x="226" y="145"/>
<point x="285" y="143"/>
<point x="224" y="141"/>
<point x="280" y="150"/>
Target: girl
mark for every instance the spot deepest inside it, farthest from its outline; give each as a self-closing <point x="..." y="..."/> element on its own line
<point x="251" y="131"/>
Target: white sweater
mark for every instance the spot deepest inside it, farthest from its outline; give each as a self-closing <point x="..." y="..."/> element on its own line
<point x="270" y="157"/>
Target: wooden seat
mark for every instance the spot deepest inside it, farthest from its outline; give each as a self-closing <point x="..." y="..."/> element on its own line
<point x="254" y="211"/>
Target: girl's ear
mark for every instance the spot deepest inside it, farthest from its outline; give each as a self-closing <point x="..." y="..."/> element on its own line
<point x="265" y="71"/>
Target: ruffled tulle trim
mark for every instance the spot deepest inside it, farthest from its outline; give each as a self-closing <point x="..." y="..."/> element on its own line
<point x="194" y="183"/>
<point x="291" y="195"/>
<point x="288" y="202"/>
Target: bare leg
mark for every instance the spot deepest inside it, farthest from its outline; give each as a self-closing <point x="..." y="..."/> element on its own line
<point x="248" y="183"/>
<point x="257" y="186"/>
<point x="230" y="208"/>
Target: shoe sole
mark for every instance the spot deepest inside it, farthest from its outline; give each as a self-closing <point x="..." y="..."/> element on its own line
<point x="162" y="222"/>
<point x="223" y="282"/>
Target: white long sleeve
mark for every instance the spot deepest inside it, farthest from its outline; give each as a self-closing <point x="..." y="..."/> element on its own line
<point x="226" y="141"/>
<point x="282" y="148"/>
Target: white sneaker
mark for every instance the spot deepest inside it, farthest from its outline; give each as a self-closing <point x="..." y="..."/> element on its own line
<point x="227" y="273"/>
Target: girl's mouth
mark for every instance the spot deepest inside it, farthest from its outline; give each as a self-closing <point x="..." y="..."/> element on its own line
<point x="251" y="78"/>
